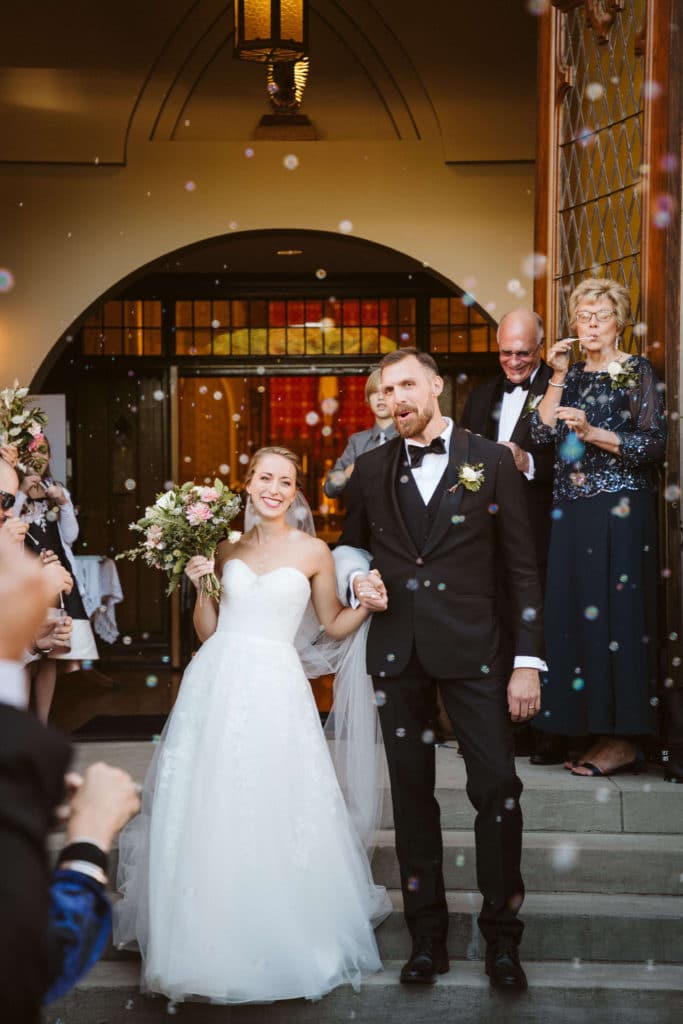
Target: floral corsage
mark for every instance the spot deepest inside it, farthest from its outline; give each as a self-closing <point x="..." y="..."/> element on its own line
<point x="623" y="375"/>
<point x="532" y="404"/>
<point x="470" y="476"/>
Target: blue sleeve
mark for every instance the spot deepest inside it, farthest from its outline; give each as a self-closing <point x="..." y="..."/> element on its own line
<point x="79" y="928"/>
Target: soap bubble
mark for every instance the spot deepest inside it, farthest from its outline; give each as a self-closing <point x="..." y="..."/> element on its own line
<point x="329" y="406"/>
<point x="311" y="418"/>
<point x="190" y="186"/>
<point x="564" y="856"/>
<point x="613" y="645"/>
<point x="529" y="615"/>
<point x="218" y="395"/>
<point x="594" y="91"/>
<point x="493" y="508"/>
<point x="291" y="162"/>
<point x="158" y="395"/>
<point x="428" y="736"/>
<point x="535" y="265"/>
<point x="345" y="226"/>
<point x="591" y="613"/>
<point x="321" y="273"/>
<point x="224" y="469"/>
<point x="413" y="884"/>
<point x="578" y="683"/>
<point x="249" y="152"/>
<point x="571" y="449"/>
<point x="412" y="584"/>
<point x="6" y="279"/>
<point x="151" y="681"/>
<point x="380" y="698"/>
<point x="127" y="640"/>
<point x="556" y="513"/>
<point x="243" y="459"/>
<point x="236" y="417"/>
<point x="130" y="484"/>
<point x="537" y="7"/>
<point x="400" y="732"/>
<point x="672" y="492"/>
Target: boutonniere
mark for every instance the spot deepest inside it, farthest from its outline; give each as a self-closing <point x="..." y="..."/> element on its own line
<point x="623" y="375"/>
<point x="471" y="477"/>
<point x="532" y="404"/>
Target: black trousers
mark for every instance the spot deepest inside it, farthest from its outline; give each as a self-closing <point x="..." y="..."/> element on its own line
<point x="479" y="714"/>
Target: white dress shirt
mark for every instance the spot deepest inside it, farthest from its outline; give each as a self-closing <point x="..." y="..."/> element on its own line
<point x="510" y="410"/>
<point x="13" y="689"/>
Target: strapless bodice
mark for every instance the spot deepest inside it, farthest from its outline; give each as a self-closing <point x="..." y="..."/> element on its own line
<point x="270" y="605"/>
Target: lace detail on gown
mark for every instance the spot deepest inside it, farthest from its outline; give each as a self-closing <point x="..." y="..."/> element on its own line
<point x="243" y="878"/>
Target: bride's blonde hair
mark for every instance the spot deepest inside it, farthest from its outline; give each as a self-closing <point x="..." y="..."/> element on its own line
<point x="284" y="453"/>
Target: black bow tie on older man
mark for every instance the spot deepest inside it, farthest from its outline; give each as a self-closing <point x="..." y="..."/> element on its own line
<point x="417" y="452"/>
<point x="509" y="385"/>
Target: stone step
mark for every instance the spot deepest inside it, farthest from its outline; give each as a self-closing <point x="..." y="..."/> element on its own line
<point x="553" y="799"/>
<point x="562" y="926"/>
<point x="551" y="862"/>
<point x="561" y="993"/>
<point x="561" y="862"/>
<point x="558" y="926"/>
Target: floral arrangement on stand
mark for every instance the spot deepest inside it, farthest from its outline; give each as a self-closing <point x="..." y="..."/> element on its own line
<point x="185" y="521"/>
<point x="21" y="425"/>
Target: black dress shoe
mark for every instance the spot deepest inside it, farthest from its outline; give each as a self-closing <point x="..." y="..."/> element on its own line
<point x="503" y="967"/>
<point x="549" y="750"/>
<point x="428" y="958"/>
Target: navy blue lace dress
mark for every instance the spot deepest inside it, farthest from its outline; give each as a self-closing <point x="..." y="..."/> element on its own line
<point x="600" y="613"/>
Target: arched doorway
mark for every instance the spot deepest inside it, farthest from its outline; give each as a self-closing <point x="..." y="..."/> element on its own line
<point x="184" y="369"/>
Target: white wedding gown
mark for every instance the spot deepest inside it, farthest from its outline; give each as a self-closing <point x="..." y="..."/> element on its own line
<point x="243" y="878"/>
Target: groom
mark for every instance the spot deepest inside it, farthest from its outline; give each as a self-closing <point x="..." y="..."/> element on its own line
<point x="443" y="513"/>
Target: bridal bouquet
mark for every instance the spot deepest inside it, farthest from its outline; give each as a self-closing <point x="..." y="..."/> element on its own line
<point x="21" y="425"/>
<point x="183" y="522"/>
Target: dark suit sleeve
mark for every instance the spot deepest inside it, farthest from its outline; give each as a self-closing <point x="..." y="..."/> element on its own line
<point x="356" y="532"/>
<point x="33" y="760"/>
<point x="466" y="418"/>
<point x="544" y="462"/>
<point x="517" y="557"/>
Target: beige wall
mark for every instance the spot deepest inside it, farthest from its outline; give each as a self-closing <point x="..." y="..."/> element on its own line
<point x="70" y="233"/>
<point x="425" y="125"/>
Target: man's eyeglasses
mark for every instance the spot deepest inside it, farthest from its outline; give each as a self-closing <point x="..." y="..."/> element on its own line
<point x="6" y="501"/>
<point x="602" y="316"/>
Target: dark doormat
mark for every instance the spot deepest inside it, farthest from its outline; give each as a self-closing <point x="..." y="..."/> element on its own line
<point x="120" y="727"/>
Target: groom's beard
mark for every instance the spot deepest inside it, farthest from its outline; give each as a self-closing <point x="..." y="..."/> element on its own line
<point x="414" y="424"/>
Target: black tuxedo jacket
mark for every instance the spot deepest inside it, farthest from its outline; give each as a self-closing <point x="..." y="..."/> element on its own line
<point x="443" y="598"/>
<point x="33" y="760"/>
<point x="480" y="416"/>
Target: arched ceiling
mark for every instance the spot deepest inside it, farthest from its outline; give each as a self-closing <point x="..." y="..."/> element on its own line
<point x="89" y="86"/>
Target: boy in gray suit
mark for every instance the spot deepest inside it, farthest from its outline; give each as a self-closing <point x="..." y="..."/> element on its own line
<point x="364" y="440"/>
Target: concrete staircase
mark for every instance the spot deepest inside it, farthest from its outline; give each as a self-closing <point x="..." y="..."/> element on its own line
<point x="603" y="866"/>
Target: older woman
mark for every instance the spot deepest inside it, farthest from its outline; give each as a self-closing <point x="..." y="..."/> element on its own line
<point x="605" y="415"/>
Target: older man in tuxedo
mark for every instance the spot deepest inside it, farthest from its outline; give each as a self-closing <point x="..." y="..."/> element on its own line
<point x="501" y="410"/>
<point x="443" y="514"/>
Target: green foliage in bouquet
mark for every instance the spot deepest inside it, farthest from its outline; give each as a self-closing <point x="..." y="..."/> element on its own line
<point x="21" y="425"/>
<point x="185" y="521"/>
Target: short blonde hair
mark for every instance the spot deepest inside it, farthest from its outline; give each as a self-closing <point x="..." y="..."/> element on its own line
<point x="373" y="383"/>
<point x="593" y="289"/>
<point x="284" y="453"/>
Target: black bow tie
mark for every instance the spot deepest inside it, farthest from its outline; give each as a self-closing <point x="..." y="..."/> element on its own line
<point x="509" y="386"/>
<point x="417" y="452"/>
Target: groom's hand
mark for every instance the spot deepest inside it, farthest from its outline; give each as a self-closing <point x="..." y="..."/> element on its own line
<point x="524" y="694"/>
<point x="370" y="591"/>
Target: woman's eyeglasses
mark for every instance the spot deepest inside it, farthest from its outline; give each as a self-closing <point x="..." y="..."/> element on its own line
<point x="602" y="316"/>
<point x="6" y="501"/>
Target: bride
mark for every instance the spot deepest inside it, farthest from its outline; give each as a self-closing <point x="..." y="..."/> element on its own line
<point x="244" y="878"/>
